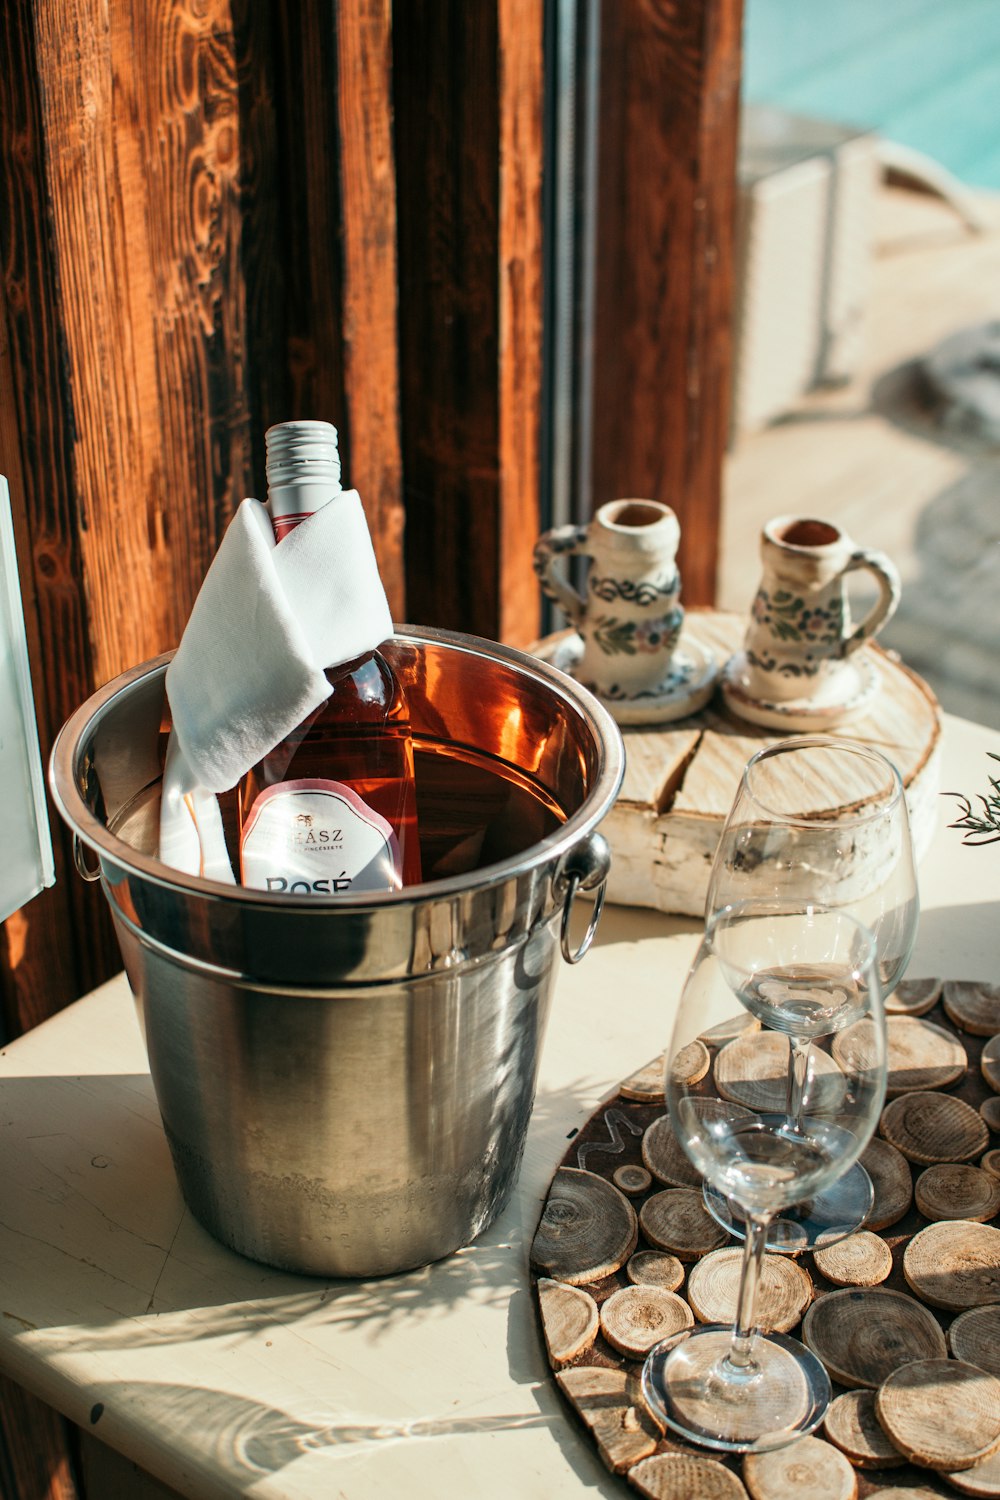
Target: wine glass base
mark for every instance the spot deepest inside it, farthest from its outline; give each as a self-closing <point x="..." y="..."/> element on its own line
<point x="830" y="1216"/>
<point x="690" y="1387"/>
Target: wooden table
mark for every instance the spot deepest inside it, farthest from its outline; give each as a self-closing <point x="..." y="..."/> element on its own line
<point x="220" y="1377"/>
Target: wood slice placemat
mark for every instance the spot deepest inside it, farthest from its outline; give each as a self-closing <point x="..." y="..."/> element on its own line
<point x="601" y="1383"/>
<point x="681" y="777"/>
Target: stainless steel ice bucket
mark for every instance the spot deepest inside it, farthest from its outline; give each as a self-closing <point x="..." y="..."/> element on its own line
<point x="346" y="1085"/>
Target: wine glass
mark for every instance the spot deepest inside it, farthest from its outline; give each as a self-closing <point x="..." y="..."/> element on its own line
<point x="825" y="820"/>
<point x="766" y="1136"/>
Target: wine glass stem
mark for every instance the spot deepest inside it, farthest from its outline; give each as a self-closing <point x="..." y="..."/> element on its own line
<point x="798" y="1080"/>
<point x="740" y="1355"/>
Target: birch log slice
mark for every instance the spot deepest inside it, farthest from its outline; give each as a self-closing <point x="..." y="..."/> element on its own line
<point x="974" y="1337"/>
<point x="862" y="1259"/>
<point x="680" y="778"/>
<point x="783" y="1294"/>
<point x="913" y="997"/>
<point x="677" y="1220"/>
<point x="632" y="1180"/>
<point x="635" y="1318"/>
<point x="685" y="1476"/>
<point x="690" y="1064"/>
<point x="808" y="1469"/>
<point x="892" y="1181"/>
<point x="570" y="1320"/>
<point x="982" y="1479"/>
<point x="851" y="1424"/>
<point x="645" y="1085"/>
<point x="665" y="1158"/>
<point x="919" y="1055"/>
<point x="954" y="1265"/>
<point x="655" y="1268"/>
<point x="929" y="1128"/>
<point x="753" y="1071"/>
<point x="955" y="1190"/>
<point x="973" y="1005"/>
<point x="862" y="1336"/>
<point x="941" y="1413"/>
<point x="989" y="1063"/>
<point x="587" y="1229"/>
<point x="610" y="1403"/>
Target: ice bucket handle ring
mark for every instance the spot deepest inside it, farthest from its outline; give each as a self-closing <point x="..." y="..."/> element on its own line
<point x="87" y="872"/>
<point x="584" y="868"/>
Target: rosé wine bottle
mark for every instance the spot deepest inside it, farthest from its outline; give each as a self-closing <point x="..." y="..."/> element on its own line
<point x="331" y="810"/>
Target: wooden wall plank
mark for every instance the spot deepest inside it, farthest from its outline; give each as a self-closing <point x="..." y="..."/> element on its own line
<point x="368" y="197"/>
<point x="468" y="89"/>
<point x="522" y="87"/>
<point x="667" y="162"/>
<point x="35" y="1445"/>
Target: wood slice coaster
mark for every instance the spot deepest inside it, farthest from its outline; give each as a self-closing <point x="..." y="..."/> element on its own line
<point x="863" y="1336"/>
<point x="954" y="1265"/>
<point x="991" y="1161"/>
<point x="685" y="1476"/>
<point x="740" y="1024"/>
<point x="913" y="997"/>
<point x="632" y="1180"/>
<point x="852" y="1425"/>
<point x="942" y="1413"/>
<point x="655" y="1268"/>
<point x="974" y="1336"/>
<point x="635" y="1318"/>
<point x="677" y="1220"/>
<point x="587" y="1230"/>
<point x="955" y="1190"/>
<point x="680" y="777"/>
<point x="921" y="1056"/>
<point x="646" y="1083"/>
<point x="862" y="1259"/>
<point x="663" y="1155"/>
<point x="973" y="1005"/>
<point x="808" y="1469"/>
<point x="610" y="1404"/>
<point x="570" y="1320"/>
<point x="690" y="1064"/>
<point x="989" y="1063"/>
<point x="982" y="1479"/>
<point x="892" y="1180"/>
<point x="962" y="1277"/>
<point x="928" y="1128"/>
<point x="784" y="1292"/>
<point x="753" y="1071"/>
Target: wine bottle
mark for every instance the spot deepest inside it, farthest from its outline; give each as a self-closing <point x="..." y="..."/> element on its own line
<point x="331" y="809"/>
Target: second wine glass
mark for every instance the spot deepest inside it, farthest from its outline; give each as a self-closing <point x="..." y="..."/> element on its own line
<point x="824" y="820"/>
<point x="733" y="1388"/>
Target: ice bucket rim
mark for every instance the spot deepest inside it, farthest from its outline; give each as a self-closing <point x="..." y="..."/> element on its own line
<point x="64" y="786"/>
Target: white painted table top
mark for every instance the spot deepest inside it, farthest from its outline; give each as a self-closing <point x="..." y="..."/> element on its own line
<point x="223" y="1378"/>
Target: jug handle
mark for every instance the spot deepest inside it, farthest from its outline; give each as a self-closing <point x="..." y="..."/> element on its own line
<point x="584" y="868"/>
<point x="562" y="541"/>
<point x="885" y="606"/>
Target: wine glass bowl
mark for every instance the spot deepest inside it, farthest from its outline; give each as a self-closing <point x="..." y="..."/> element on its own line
<point x="767" y="1129"/>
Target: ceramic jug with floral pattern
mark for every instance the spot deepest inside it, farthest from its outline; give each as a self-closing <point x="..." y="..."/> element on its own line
<point x="631" y="619"/>
<point x="800" y="634"/>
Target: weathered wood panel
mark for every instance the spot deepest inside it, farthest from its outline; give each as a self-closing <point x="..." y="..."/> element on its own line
<point x="468" y="101"/>
<point x="667" y="159"/>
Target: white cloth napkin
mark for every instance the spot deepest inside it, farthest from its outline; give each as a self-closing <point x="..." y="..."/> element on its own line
<point x="270" y="616"/>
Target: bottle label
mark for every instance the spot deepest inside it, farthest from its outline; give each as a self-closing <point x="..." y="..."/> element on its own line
<point x="318" y="838"/>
